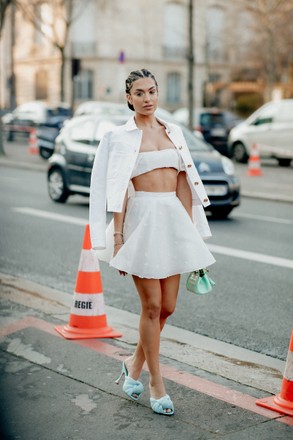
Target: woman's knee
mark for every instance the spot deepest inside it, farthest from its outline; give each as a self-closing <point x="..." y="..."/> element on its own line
<point x="167" y="310"/>
<point x="152" y="310"/>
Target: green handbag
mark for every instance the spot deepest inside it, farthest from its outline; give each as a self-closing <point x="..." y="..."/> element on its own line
<point x="199" y="282"/>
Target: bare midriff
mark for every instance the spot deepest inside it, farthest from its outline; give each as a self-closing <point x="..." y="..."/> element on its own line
<point x="158" y="180"/>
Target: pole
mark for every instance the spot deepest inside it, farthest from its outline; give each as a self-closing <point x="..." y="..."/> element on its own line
<point x="190" y="66"/>
<point x="12" y="91"/>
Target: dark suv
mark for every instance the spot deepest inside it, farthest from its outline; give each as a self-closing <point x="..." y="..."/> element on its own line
<point x="214" y="125"/>
<point x="35" y="114"/>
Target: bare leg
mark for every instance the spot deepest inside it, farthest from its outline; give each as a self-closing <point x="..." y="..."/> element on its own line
<point x="153" y="293"/>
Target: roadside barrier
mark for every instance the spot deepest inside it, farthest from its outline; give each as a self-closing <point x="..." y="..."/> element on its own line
<point x="254" y="167"/>
<point x="283" y="402"/>
<point x="33" y="142"/>
<point x="88" y="318"/>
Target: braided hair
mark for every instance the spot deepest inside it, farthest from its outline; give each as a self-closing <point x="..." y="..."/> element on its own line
<point x="135" y="75"/>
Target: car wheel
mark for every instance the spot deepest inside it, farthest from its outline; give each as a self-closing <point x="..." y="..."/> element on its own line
<point x="57" y="188"/>
<point x="240" y="153"/>
<point x="284" y="162"/>
<point x="221" y="213"/>
<point x="45" y="153"/>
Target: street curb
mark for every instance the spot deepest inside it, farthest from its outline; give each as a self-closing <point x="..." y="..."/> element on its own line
<point x="221" y="359"/>
<point x="271" y="197"/>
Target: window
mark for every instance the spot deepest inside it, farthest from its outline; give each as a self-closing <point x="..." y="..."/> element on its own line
<point x="173" y="88"/>
<point x="83" y="132"/>
<point x="83" y="30"/>
<point x="265" y="115"/>
<point x="83" y="85"/>
<point x="103" y="127"/>
<point x="175" y="31"/>
<point x="215" y="34"/>
<point x="41" y="85"/>
<point x="38" y="36"/>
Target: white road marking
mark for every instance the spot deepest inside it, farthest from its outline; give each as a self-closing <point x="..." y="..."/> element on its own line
<point x="252" y="256"/>
<point x="283" y="221"/>
<point x="223" y="250"/>
<point x="51" y="216"/>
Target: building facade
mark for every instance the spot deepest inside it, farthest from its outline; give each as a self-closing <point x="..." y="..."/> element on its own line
<point x="107" y="39"/>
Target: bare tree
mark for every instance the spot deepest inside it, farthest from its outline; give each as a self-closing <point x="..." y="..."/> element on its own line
<point x="54" y="26"/>
<point x="3" y="9"/>
<point x="271" y="40"/>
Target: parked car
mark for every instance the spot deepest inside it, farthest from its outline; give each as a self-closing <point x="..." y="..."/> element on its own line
<point x="34" y="114"/>
<point x="46" y="135"/>
<point x="101" y="108"/>
<point x="213" y="123"/>
<point x="48" y="132"/>
<point x="271" y="128"/>
<point x="70" y="166"/>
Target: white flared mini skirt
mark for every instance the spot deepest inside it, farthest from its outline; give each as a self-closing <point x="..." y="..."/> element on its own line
<point x="160" y="238"/>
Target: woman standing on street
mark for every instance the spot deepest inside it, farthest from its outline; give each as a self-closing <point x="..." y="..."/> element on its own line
<point x="143" y="172"/>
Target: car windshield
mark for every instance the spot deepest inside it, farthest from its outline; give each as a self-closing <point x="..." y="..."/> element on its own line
<point x="194" y="143"/>
<point x="62" y="111"/>
<point x="208" y="119"/>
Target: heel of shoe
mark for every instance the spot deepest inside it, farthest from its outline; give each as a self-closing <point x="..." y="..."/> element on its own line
<point x="133" y="388"/>
<point x="123" y="372"/>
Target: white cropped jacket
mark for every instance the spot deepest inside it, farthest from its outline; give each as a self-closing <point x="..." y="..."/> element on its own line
<point x="112" y="168"/>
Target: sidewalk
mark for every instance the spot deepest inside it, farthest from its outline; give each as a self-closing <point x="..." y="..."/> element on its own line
<point x="55" y="389"/>
<point x="276" y="183"/>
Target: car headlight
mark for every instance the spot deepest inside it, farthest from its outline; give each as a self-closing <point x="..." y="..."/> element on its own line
<point x="228" y="166"/>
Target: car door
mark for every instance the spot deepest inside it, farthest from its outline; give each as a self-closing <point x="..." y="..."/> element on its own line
<point x="79" y="146"/>
<point x="101" y="126"/>
<point x="282" y="130"/>
<point x="259" y="130"/>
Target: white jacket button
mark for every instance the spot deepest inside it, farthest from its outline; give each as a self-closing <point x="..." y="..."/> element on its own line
<point x="189" y="165"/>
<point x="196" y="183"/>
<point x="205" y="200"/>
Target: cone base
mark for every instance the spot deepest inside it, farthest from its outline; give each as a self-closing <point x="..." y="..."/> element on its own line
<point x="254" y="173"/>
<point x="69" y="332"/>
<point x="33" y="150"/>
<point x="277" y="403"/>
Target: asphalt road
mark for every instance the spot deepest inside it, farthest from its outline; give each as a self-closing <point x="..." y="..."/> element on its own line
<point x="252" y="303"/>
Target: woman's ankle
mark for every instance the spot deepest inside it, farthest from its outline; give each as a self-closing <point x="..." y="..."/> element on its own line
<point x="157" y="387"/>
<point x="134" y="368"/>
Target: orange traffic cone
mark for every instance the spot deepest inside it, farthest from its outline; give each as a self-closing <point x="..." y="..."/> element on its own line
<point x="33" y="142"/>
<point x="254" y="168"/>
<point x="88" y="318"/>
<point x="283" y="402"/>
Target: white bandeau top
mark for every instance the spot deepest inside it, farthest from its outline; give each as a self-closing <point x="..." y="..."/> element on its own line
<point x="151" y="160"/>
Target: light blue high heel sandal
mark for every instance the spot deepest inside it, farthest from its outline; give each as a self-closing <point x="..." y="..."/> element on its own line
<point x="133" y="388"/>
<point x="160" y="406"/>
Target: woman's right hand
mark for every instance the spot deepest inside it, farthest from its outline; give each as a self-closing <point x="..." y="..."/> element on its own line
<point x="117" y="248"/>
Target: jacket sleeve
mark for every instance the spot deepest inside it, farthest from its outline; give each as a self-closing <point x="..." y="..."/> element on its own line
<point x="98" y="188"/>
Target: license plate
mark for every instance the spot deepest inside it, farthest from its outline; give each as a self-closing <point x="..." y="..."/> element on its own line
<point x="218" y="132"/>
<point x="216" y="190"/>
